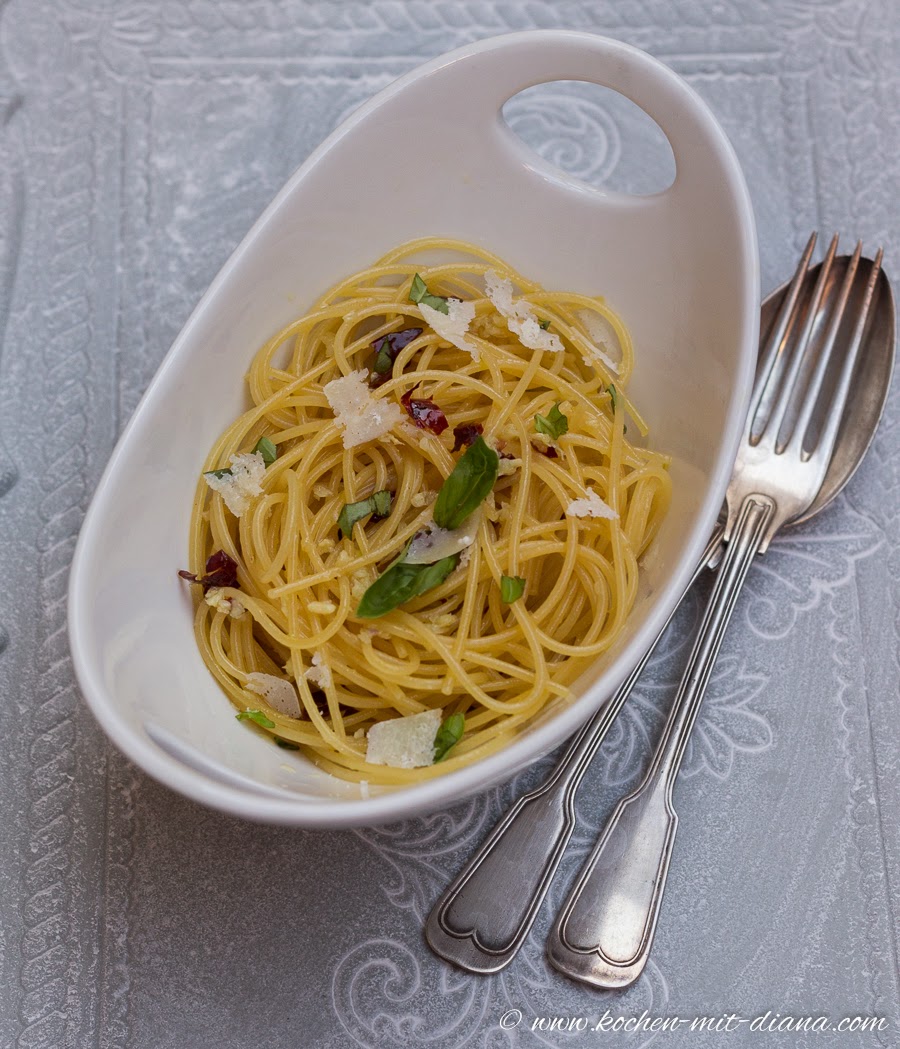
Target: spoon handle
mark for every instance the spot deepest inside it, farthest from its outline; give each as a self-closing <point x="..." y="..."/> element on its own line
<point x="483" y="917"/>
<point x="604" y="931"/>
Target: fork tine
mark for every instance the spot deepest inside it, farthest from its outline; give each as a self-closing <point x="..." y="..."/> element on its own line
<point x="825" y="446"/>
<point x="811" y="397"/>
<point x="774" y="346"/>
<point x="789" y="381"/>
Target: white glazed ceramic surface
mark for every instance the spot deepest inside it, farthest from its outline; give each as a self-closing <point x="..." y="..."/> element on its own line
<point x="428" y="155"/>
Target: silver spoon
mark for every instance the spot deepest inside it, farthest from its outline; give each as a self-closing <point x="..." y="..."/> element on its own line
<point x="483" y="917"/>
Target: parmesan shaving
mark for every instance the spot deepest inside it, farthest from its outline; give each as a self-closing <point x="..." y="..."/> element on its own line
<point x="362" y="416"/>
<point x="404" y="743"/>
<point x="318" y="674"/>
<point x="452" y="326"/>
<point x="438" y="543"/>
<point x="604" y="338"/>
<point x="519" y="315"/>
<point x="592" y="506"/>
<point x="276" y="691"/>
<point x="239" y="487"/>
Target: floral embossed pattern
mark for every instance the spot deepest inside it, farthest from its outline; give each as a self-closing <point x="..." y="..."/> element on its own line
<point x="140" y="141"/>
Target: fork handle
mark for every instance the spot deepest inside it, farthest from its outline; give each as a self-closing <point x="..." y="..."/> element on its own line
<point x="484" y="915"/>
<point x="604" y="931"/>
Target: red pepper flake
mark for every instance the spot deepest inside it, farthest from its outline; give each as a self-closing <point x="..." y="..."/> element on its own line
<point x="386" y="350"/>
<point x="550" y="451"/>
<point x="464" y="435"/>
<point x="424" y="414"/>
<point x="221" y="570"/>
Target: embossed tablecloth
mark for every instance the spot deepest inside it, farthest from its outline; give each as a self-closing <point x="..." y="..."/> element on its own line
<point x="139" y="142"/>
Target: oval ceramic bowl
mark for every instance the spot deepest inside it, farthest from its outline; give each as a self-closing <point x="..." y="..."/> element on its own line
<point x="680" y="267"/>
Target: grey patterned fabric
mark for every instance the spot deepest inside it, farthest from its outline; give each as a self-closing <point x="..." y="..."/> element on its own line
<point x="139" y="142"/>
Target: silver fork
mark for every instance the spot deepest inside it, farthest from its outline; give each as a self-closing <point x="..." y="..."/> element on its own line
<point x="604" y="932"/>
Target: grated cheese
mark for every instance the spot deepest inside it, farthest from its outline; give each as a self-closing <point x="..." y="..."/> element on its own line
<point x="603" y="335"/>
<point x="362" y="416"/>
<point x="239" y="488"/>
<point x="438" y="543"/>
<point x="452" y="326"/>
<point x="592" y="506"/>
<point x="276" y="691"/>
<point x="318" y="674"/>
<point x="519" y="315"/>
<point x="404" y="743"/>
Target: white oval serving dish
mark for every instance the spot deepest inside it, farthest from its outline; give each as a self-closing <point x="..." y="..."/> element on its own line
<point x="680" y="267"/>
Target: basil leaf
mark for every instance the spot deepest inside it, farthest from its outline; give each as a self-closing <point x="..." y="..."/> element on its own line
<point x="267" y="450"/>
<point x="554" y="424"/>
<point x="286" y="744"/>
<point x="218" y="473"/>
<point x="419" y="293"/>
<point x="468" y="484"/>
<point x="382" y="501"/>
<point x="511" y="588"/>
<point x="378" y="504"/>
<point x="402" y="582"/>
<point x="257" y="716"/>
<point x="543" y="325"/>
<point x="448" y="735"/>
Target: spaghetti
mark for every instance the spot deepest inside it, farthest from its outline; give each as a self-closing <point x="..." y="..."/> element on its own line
<point x="541" y="574"/>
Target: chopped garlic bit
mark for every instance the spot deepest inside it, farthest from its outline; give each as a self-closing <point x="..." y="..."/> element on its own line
<point x="424" y="497"/>
<point x="322" y="608"/>
<point x="604" y="338"/>
<point x="322" y="491"/>
<point x="452" y="326"/>
<point x="404" y="743"/>
<point x="508" y="467"/>
<point x="592" y="506"/>
<point x="360" y="582"/>
<point x="239" y="487"/>
<point x="318" y="674"/>
<point x="222" y="603"/>
<point x="277" y="692"/>
<point x="362" y="416"/>
<point x="519" y="315"/>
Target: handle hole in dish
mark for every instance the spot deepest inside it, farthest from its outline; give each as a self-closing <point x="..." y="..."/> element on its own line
<point x="594" y="134"/>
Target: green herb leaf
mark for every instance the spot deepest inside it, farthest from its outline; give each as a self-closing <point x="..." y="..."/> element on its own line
<point x="543" y="325"/>
<point x="378" y="504"/>
<point x="511" y="588"/>
<point x="419" y="293"/>
<point x="402" y="582"/>
<point x="613" y="395"/>
<point x="468" y="484"/>
<point x="448" y="735"/>
<point x="218" y="473"/>
<point x="257" y="716"/>
<point x="286" y="744"/>
<point x="554" y="425"/>
<point x="382" y="501"/>
<point x="267" y="450"/>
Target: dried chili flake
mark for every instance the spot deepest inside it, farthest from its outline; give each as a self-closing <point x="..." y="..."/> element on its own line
<point x="424" y="413"/>
<point x="464" y="435"/>
<point x="386" y="350"/>
<point x="221" y="570"/>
